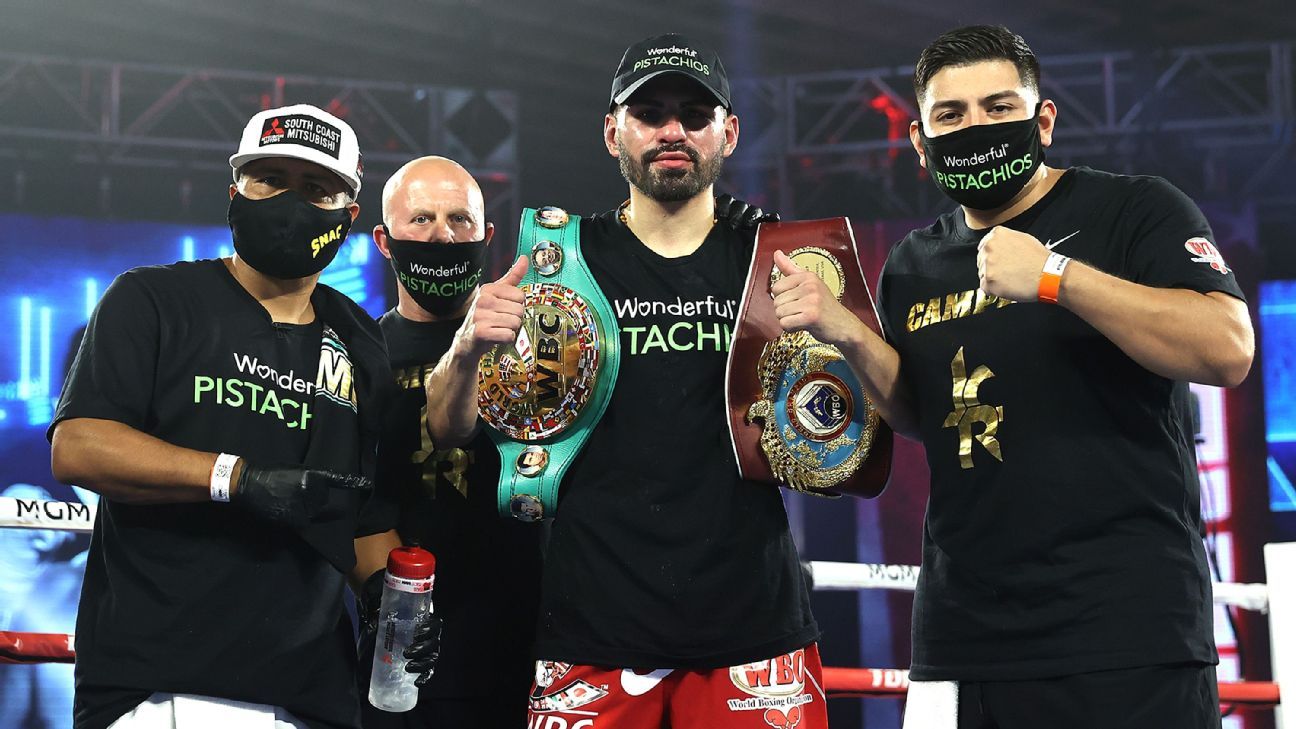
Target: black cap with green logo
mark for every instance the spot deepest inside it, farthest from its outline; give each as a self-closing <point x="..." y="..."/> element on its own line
<point x="670" y="53"/>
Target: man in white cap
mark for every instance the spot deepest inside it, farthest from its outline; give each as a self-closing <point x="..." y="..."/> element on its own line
<point x="227" y="411"/>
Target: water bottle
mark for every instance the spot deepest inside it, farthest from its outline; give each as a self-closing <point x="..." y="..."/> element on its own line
<point x="407" y="597"/>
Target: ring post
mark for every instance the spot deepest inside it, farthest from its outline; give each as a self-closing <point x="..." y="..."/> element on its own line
<point x="1280" y="568"/>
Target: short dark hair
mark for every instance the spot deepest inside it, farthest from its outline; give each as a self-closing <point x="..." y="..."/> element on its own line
<point x="973" y="44"/>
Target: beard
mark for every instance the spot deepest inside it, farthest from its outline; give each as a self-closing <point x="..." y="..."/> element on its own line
<point x="669" y="185"/>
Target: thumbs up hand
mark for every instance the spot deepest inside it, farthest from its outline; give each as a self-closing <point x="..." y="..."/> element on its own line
<point x="803" y="302"/>
<point x="495" y="314"/>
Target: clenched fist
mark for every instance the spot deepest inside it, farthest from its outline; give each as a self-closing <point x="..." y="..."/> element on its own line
<point x="1009" y="264"/>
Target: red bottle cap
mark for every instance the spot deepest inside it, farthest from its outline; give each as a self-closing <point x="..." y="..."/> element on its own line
<point x="411" y="563"/>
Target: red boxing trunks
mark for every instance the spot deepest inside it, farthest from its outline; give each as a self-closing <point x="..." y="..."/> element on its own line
<point x="784" y="692"/>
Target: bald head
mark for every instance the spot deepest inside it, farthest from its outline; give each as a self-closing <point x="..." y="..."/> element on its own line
<point x="434" y="199"/>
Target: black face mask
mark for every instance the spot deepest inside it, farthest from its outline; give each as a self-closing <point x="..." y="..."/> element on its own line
<point x="285" y="236"/>
<point x="984" y="166"/>
<point x="439" y="276"/>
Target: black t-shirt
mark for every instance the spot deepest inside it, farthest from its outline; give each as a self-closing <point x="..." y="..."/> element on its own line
<point x="488" y="568"/>
<point x="660" y="556"/>
<point x="205" y="598"/>
<point x="1063" y="530"/>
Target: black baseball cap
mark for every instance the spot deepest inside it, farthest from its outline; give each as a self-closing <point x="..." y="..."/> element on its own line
<point x="670" y="53"/>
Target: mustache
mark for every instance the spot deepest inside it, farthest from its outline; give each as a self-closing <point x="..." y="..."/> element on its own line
<point x="654" y="153"/>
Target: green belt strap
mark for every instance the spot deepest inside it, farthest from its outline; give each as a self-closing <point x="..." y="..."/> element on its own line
<point x="531" y="470"/>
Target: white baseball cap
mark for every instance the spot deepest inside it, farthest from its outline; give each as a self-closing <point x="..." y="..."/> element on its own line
<point x="303" y="132"/>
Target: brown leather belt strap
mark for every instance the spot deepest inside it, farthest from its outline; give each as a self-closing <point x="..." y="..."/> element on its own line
<point x="806" y="242"/>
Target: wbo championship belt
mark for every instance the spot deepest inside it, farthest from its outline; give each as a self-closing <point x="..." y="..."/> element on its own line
<point x="543" y="394"/>
<point x="798" y="416"/>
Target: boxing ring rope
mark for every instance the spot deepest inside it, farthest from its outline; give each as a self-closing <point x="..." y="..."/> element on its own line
<point x="36" y="648"/>
<point x="894" y="682"/>
<point x="1277" y="598"/>
<point x="852" y="576"/>
<point x="58" y="515"/>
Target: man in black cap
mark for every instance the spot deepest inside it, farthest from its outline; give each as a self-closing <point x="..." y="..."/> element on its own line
<point x="672" y="593"/>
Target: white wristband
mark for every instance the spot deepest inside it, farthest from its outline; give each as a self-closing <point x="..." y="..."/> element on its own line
<point x="1050" y="283"/>
<point x="1056" y="264"/>
<point x="220" y="476"/>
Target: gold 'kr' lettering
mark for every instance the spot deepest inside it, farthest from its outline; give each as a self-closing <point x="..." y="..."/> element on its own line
<point x="969" y="411"/>
<point x="451" y="463"/>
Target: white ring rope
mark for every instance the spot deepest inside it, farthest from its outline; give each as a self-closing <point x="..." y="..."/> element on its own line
<point x="57" y="515"/>
<point x="1279" y="595"/>
<point x="852" y="576"/>
<point x="78" y="517"/>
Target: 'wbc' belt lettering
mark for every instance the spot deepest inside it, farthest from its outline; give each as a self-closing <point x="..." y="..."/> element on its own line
<point x="543" y="394"/>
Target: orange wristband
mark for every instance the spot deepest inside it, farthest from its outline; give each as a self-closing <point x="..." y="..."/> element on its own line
<point x="1051" y="277"/>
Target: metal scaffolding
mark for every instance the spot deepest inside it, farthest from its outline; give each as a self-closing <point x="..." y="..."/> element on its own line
<point x="115" y="120"/>
<point x="1219" y="121"/>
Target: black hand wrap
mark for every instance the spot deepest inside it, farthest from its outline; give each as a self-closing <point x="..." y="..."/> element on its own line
<point x="741" y="215"/>
<point x="425" y="648"/>
<point x="290" y="495"/>
<point x="368" y="601"/>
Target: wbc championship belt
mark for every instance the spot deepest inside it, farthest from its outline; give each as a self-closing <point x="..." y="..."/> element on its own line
<point x="798" y="416"/>
<point x="543" y="394"/>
